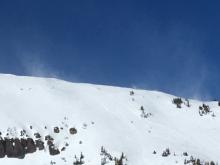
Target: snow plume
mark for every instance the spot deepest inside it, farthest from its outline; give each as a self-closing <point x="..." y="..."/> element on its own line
<point x="35" y="66"/>
<point x="34" y="63"/>
<point x="176" y="62"/>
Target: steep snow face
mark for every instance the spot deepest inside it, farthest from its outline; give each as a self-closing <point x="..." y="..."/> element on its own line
<point x="136" y="124"/>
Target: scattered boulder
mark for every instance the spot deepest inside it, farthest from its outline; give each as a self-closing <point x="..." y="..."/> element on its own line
<point x="185" y="154"/>
<point x="53" y="150"/>
<point x="72" y="131"/>
<point x="49" y="140"/>
<point x="48" y="137"/>
<point x="56" y="130"/>
<point x="37" y="135"/>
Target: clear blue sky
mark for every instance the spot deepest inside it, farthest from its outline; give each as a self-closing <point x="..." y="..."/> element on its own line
<point x="171" y="46"/>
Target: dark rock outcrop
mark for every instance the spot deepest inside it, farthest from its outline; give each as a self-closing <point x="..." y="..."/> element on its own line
<point x="19" y="149"/>
<point x="53" y="150"/>
<point x="9" y="149"/>
<point x="72" y="131"/>
<point x="24" y="143"/>
<point x="14" y="148"/>
<point x="39" y="144"/>
<point x="31" y="147"/>
<point x="37" y="135"/>
<point x="48" y="137"/>
<point x="2" y="148"/>
<point x="56" y="130"/>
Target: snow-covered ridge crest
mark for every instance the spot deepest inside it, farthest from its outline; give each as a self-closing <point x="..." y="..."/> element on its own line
<point x="141" y="124"/>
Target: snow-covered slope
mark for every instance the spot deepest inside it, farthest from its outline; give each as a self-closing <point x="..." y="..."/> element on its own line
<point x="105" y="116"/>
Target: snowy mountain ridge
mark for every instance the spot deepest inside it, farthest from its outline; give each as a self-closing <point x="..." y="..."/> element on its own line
<point x="148" y="127"/>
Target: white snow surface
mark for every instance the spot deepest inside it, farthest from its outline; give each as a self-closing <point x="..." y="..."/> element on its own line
<point x="106" y="116"/>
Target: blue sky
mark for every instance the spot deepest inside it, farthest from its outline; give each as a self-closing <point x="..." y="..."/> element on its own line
<point x="171" y="46"/>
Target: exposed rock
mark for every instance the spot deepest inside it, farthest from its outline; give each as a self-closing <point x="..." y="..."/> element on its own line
<point x="2" y="149"/>
<point x="48" y="137"/>
<point x="73" y="131"/>
<point x="31" y="147"/>
<point x="19" y="149"/>
<point x="37" y="135"/>
<point x="9" y="149"/>
<point x="24" y="143"/>
<point x="14" y="151"/>
<point x="23" y="132"/>
<point x="39" y="144"/>
<point x="53" y="150"/>
<point x="56" y="130"/>
<point x="185" y="154"/>
<point x="49" y="142"/>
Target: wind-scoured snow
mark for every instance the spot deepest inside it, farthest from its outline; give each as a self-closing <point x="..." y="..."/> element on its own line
<point x="109" y="117"/>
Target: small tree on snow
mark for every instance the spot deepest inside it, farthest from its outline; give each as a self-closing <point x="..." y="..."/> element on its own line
<point x="79" y="161"/>
<point x="178" y="102"/>
<point x="187" y="103"/>
<point x="120" y="161"/>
